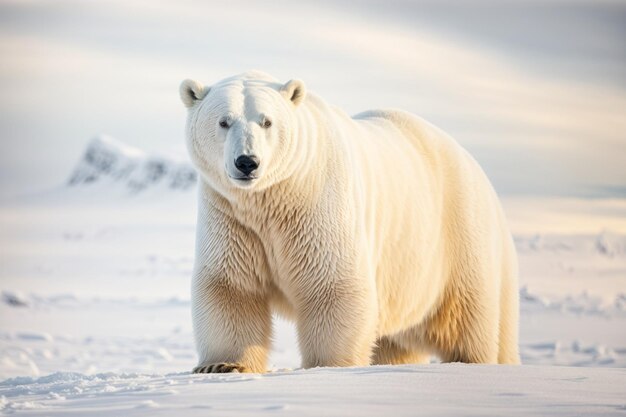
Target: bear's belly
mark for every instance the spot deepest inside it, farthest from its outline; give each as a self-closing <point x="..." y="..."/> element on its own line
<point x="280" y="303"/>
<point x="408" y="290"/>
<point x="403" y="228"/>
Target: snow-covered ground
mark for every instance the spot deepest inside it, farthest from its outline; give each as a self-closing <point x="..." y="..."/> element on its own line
<point x="430" y="390"/>
<point x="94" y="312"/>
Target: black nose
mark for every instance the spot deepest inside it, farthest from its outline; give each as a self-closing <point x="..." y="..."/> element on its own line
<point x="247" y="163"/>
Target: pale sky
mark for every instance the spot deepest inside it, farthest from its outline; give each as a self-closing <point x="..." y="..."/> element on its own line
<point x="535" y="90"/>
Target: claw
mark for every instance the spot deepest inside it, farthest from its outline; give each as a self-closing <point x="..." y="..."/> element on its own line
<point x="220" y="368"/>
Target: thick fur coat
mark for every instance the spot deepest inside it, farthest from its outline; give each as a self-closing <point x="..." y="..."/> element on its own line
<point x="378" y="235"/>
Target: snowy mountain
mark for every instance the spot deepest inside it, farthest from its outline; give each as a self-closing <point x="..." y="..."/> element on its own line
<point x="109" y="161"/>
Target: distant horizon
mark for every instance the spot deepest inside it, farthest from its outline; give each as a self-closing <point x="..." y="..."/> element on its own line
<point x="590" y="192"/>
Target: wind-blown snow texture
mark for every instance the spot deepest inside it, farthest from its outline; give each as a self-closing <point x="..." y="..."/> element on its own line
<point x="95" y="317"/>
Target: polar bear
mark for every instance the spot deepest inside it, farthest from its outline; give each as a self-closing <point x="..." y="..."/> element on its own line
<point x="378" y="235"/>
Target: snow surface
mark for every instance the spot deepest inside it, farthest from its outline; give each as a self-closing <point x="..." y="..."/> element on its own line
<point x="452" y="389"/>
<point x="95" y="317"/>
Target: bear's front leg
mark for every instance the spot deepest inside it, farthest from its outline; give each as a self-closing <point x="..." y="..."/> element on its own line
<point x="337" y="324"/>
<point x="232" y="327"/>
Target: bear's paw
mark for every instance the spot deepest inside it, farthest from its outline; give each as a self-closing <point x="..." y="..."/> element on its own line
<point x="220" y="368"/>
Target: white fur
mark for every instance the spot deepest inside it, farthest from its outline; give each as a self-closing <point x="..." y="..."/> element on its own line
<point x="378" y="234"/>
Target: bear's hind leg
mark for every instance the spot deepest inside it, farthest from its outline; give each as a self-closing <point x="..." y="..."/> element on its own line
<point x="509" y="316"/>
<point x="464" y="328"/>
<point x="388" y="352"/>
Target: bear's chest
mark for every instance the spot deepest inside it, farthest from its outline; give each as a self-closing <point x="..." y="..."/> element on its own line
<point x="268" y="235"/>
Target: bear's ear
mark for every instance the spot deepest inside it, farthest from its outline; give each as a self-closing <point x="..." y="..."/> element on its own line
<point x="294" y="90"/>
<point x="191" y="91"/>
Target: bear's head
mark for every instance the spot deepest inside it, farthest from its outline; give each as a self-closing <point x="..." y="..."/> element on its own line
<point x="242" y="131"/>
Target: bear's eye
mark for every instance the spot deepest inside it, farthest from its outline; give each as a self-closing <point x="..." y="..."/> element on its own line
<point x="267" y="123"/>
<point x="223" y="123"/>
